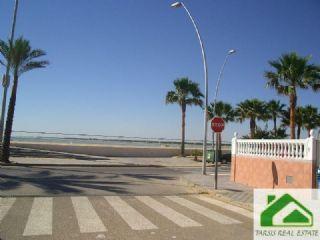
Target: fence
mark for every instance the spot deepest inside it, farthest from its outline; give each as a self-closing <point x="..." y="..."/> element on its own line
<point x="276" y="162"/>
<point x="273" y="148"/>
<point x="303" y="149"/>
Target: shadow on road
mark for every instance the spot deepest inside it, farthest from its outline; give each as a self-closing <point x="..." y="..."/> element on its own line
<point x="72" y="181"/>
<point x="60" y="184"/>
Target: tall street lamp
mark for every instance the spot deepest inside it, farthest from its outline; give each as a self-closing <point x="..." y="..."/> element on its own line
<point x="6" y="77"/>
<point x="178" y="5"/>
<point x="232" y="51"/>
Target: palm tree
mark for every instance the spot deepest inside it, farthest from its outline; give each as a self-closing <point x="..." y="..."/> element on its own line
<point x="252" y="109"/>
<point x="223" y="110"/>
<point x="186" y="93"/>
<point x="22" y="58"/>
<point x="311" y="118"/>
<point x="275" y="110"/>
<point x="299" y="119"/>
<point x="292" y="72"/>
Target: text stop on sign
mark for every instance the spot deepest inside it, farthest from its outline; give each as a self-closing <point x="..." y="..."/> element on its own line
<point x="217" y="124"/>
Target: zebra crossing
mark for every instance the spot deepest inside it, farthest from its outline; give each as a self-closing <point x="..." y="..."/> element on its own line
<point x="88" y="219"/>
<point x="40" y="217"/>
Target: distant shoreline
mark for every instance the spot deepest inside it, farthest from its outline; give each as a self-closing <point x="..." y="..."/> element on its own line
<point x="108" y="150"/>
<point x="225" y="147"/>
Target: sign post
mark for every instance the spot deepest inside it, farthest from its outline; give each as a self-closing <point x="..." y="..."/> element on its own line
<point x="217" y="126"/>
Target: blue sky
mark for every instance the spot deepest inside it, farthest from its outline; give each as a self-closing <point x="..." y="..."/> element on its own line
<point x="112" y="62"/>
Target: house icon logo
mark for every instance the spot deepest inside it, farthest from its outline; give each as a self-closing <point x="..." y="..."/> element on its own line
<point x="285" y="211"/>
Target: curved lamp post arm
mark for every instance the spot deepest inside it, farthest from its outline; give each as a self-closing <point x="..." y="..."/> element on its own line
<point x="204" y="59"/>
<point x="218" y="83"/>
<point x="232" y="51"/>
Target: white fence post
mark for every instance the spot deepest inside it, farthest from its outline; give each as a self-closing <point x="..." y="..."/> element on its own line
<point x="310" y="151"/>
<point x="234" y="147"/>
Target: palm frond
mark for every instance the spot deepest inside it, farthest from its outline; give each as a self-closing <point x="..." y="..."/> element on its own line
<point x="292" y="71"/>
<point x="3" y="63"/>
<point x="172" y="97"/>
<point x="21" y="56"/>
<point x="32" y="65"/>
<point x="194" y="101"/>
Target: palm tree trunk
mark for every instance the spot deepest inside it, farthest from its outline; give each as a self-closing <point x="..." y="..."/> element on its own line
<point x="298" y="131"/>
<point x="183" y="128"/>
<point x="9" y="122"/>
<point x="308" y="130"/>
<point x="252" y="128"/>
<point x="293" y="103"/>
<point x="275" y="126"/>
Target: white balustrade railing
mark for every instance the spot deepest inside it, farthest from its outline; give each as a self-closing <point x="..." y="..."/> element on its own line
<point x="272" y="148"/>
<point x="302" y="149"/>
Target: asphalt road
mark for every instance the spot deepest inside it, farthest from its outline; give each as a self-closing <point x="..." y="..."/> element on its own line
<point x="41" y="203"/>
<point x="66" y="181"/>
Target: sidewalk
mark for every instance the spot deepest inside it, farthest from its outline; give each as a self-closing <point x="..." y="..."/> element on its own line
<point x="228" y="191"/>
<point x="31" y="157"/>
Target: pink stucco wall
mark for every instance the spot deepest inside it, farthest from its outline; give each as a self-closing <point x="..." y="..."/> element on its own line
<point x="262" y="172"/>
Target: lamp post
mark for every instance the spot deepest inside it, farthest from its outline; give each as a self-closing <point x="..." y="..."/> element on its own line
<point x="6" y="77"/>
<point x="218" y="143"/>
<point x="205" y="68"/>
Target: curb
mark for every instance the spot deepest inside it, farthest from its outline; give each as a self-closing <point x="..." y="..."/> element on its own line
<point x="217" y="194"/>
<point x="92" y="165"/>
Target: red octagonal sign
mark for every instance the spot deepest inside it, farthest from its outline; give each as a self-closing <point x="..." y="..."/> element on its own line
<point x="217" y="124"/>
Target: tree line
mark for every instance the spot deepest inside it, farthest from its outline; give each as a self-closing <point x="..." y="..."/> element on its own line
<point x="289" y="73"/>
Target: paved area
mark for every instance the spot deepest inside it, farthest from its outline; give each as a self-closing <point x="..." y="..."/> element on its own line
<point x="124" y="202"/>
<point x="122" y="217"/>
<point x="227" y="190"/>
<point x="43" y="157"/>
<point x="30" y="157"/>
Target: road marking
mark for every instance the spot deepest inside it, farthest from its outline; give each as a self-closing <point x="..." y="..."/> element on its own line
<point x="203" y="210"/>
<point x="40" y="218"/>
<point x="227" y="206"/>
<point x="5" y="205"/>
<point x="131" y="216"/>
<point x="168" y="212"/>
<point x="88" y="219"/>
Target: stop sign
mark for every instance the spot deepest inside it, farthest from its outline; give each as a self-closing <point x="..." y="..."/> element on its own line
<point x="217" y="124"/>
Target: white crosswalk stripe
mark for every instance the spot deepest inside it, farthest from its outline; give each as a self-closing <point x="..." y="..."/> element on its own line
<point x="168" y="212"/>
<point x="40" y="218"/>
<point x="5" y="205"/>
<point x="131" y="216"/>
<point x="88" y="219"/>
<point x="203" y="210"/>
<point x="227" y="206"/>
